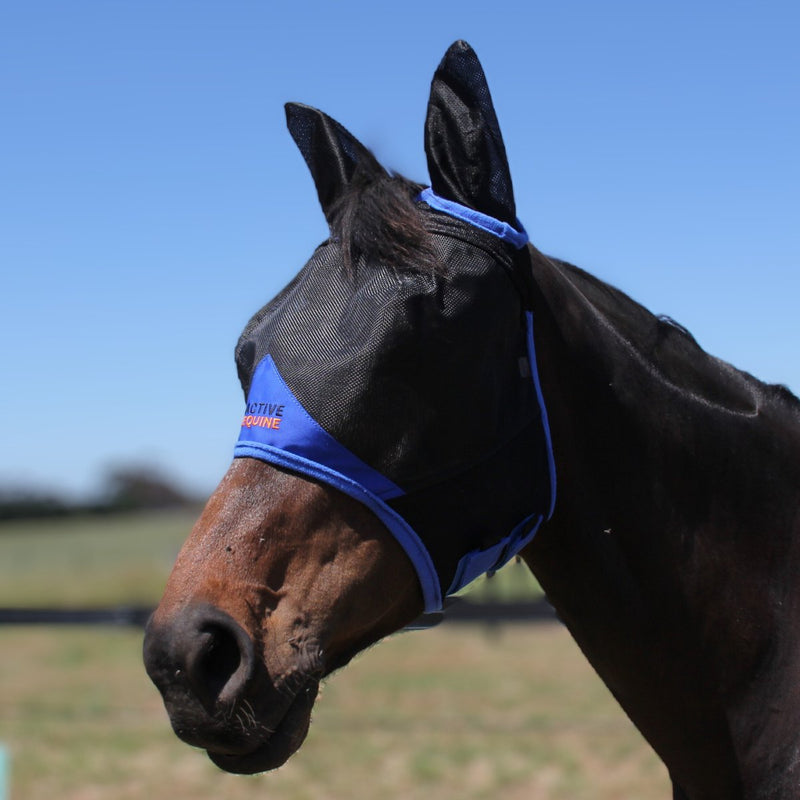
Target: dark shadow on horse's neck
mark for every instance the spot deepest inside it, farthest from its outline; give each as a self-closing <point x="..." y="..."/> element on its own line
<point x="666" y="352"/>
<point x="675" y="525"/>
<point x="638" y="406"/>
<point x="654" y="429"/>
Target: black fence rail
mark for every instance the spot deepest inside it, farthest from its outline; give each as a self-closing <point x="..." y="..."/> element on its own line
<point x="134" y="616"/>
<point x="458" y="611"/>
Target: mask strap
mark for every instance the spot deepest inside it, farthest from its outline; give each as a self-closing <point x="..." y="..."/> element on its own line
<point x="502" y="230"/>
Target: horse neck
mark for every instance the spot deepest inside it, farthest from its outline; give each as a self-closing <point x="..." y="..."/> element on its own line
<point x="676" y="522"/>
<point x="659" y="447"/>
<point x="636" y="406"/>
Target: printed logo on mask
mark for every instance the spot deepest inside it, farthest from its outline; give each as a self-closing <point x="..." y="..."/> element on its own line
<point x="277" y="428"/>
<point x="264" y="415"/>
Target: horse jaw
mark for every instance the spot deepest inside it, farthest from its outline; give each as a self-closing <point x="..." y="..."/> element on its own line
<point x="281" y="581"/>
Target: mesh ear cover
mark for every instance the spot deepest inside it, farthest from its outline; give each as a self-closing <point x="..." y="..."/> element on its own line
<point x="464" y="147"/>
<point x="333" y="155"/>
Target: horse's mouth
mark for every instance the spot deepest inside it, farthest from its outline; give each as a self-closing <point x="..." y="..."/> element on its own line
<point x="278" y="744"/>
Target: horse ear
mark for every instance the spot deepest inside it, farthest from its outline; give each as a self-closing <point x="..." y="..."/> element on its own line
<point x="466" y="155"/>
<point x="332" y="153"/>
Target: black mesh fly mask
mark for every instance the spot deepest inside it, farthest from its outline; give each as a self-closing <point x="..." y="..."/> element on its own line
<point x="413" y="388"/>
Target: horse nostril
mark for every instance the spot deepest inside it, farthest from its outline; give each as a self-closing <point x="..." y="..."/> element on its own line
<point x="204" y="648"/>
<point x="214" y="662"/>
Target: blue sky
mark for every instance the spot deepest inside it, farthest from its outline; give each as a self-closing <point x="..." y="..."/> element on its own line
<point x="151" y="199"/>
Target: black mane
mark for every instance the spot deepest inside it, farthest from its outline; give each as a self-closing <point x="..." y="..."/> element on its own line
<point x="671" y="350"/>
<point x="376" y="220"/>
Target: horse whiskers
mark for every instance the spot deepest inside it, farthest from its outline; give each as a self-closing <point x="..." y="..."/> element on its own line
<point x="243" y="713"/>
<point x="239" y="716"/>
<point x="247" y="713"/>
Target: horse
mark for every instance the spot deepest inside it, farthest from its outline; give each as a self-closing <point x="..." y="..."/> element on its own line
<point x="431" y="396"/>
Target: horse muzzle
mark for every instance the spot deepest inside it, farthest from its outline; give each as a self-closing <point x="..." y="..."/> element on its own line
<point x="219" y="694"/>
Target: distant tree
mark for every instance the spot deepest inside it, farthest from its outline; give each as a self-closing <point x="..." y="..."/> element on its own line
<point x="141" y="486"/>
<point x="125" y="487"/>
<point x="22" y="503"/>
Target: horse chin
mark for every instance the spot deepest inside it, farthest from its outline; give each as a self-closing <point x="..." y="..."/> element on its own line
<point x="279" y="745"/>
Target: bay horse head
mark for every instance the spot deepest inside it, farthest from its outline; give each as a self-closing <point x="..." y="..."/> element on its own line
<point x="395" y="444"/>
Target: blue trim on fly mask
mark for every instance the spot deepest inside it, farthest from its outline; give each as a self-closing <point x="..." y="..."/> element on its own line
<point x="551" y="460"/>
<point x="476" y="562"/>
<point x="502" y="230"/>
<point x="277" y="429"/>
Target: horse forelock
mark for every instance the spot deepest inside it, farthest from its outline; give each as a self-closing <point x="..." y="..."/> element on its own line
<point x="377" y="220"/>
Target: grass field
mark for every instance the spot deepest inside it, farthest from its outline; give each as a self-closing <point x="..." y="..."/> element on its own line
<point x="459" y="712"/>
<point x="93" y="561"/>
